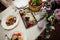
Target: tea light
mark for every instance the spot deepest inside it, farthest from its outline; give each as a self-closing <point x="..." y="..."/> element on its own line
<point x="41" y="24"/>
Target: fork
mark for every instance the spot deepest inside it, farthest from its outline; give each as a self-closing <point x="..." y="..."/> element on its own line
<point x="7" y="37"/>
<point x="0" y="21"/>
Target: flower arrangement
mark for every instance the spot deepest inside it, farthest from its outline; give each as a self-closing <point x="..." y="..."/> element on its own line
<point x="50" y="18"/>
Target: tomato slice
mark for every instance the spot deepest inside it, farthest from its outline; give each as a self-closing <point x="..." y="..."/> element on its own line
<point x="18" y="34"/>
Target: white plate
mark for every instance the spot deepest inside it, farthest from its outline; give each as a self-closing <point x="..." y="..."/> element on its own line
<point x="23" y="35"/>
<point x="3" y="23"/>
<point x="20" y="3"/>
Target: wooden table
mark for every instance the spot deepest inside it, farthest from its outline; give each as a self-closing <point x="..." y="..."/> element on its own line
<point x="55" y="34"/>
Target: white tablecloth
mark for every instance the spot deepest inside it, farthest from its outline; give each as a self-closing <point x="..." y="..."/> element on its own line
<point x="30" y="34"/>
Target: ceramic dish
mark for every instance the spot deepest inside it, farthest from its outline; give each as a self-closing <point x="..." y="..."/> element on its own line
<point x="20" y="3"/>
<point x="9" y="22"/>
<point x="18" y="36"/>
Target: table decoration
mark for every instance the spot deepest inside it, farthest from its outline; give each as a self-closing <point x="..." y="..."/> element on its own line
<point x="35" y="5"/>
<point x="50" y="18"/>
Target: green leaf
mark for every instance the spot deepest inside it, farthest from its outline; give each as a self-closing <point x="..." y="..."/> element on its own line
<point x="34" y="2"/>
<point x="27" y="19"/>
<point x="48" y="26"/>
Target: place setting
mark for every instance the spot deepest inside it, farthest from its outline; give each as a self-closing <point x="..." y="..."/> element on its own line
<point x="16" y="36"/>
<point x="9" y="21"/>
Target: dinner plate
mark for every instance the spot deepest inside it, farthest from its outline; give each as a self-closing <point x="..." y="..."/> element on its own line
<point x="4" y="18"/>
<point x="19" y="34"/>
<point x="20" y="3"/>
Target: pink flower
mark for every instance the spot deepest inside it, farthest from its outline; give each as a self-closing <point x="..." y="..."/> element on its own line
<point x="57" y="14"/>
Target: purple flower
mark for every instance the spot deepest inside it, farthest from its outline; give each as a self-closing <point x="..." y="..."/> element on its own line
<point x="48" y="10"/>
